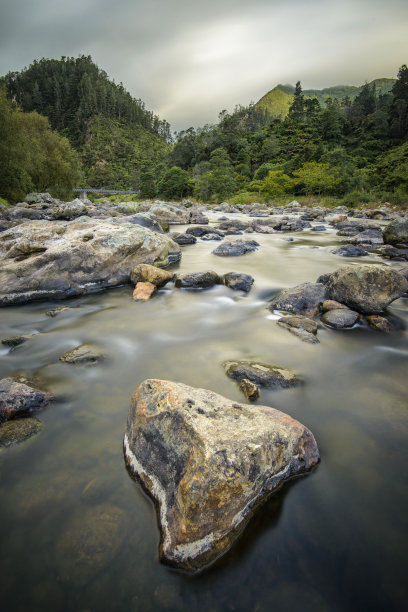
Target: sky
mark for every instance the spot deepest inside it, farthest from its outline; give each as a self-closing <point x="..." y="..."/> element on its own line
<point x="190" y="59"/>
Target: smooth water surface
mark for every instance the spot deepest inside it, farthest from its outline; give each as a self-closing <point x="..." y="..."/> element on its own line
<point x="77" y="533"/>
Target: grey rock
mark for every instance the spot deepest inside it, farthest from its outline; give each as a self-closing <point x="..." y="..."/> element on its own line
<point x="350" y="250"/>
<point x="20" y="396"/>
<point x="208" y="462"/>
<point x="199" y="231"/>
<point x="235" y="248"/>
<point x="396" y="232"/>
<point x="272" y="377"/>
<point x="198" y="280"/>
<point x="340" y="317"/>
<point x="183" y="239"/>
<point x="302" y="327"/>
<point x="238" y="282"/>
<point x="304" y="299"/>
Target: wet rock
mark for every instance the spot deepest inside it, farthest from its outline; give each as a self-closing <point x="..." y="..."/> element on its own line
<point x="340" y="317"/>
<point x="392" y="252"/>
<point x="366" y="288"/>
<point x="350" y="250"/>
<point x="291" y="225"/>
<point x="16" y="340"/>
<point x="318" y="228"/>
<point x="20" y="396"/>
<point x="42" y="259"/>
<point x="302" y="327"/>
<point x="238" y="282"/>
<point x="144" y="273"/>
<point x="212" y="237"/>
<point x="235" y="248"/>
<point x="183" y="239"/>
<point x="198" y="217"/>
<point x="304" y="299"/>
<point x="368" y="237"/>
<point x="144" y="291"/>
<point x="198" y="280"/>
<point x="272" y="377"/>
<point x="18" y="430"/>
<point x="331" y="305"/>
<point x="88" y="542"/>
<point x="199" y="231"/>
<point x="56" y="311"/>
<point x="396" y="232"/>
<point x="379" y="323"/>
<point x="208" y="462"/>
<point x="234" y="225"/>
<point x="84" y="354"/>
<point x="249" y="389"/>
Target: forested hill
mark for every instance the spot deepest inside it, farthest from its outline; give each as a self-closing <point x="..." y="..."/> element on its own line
<point x="120" y="142"/>
<point x="278" y="100"/>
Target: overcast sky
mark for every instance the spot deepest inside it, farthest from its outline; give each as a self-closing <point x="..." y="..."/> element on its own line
<point x="189" y="59"/>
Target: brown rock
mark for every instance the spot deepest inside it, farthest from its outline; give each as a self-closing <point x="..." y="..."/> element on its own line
<point x="379" y="323"/>
<point x="331" y="305"/>
<point x="208" y="462"/>
<point x="249" y="389"/>
<point x="144" y="291"/>
<point x="144" y="273"/>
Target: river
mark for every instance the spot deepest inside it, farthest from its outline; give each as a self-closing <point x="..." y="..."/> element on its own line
<point x="330" y="541"/>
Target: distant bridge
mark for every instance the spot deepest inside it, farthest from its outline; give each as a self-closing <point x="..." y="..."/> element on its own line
<point x="84" y="191"/>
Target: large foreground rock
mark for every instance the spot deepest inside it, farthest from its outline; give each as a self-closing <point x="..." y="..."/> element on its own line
<point x="208" y="462"/>
<point x="367" y="289"/>
<point x="43" y="259"/>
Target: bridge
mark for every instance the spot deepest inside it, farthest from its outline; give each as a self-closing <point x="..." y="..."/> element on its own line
<point x="85" y="190"/>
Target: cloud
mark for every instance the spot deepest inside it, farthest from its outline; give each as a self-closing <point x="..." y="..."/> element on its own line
<point x="188" y="59"/>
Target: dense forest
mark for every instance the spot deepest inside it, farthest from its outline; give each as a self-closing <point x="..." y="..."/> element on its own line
<point x="353" y="147"/>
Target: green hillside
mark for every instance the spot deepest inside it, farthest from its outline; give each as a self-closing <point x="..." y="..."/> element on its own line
<point x="277" y="101"/>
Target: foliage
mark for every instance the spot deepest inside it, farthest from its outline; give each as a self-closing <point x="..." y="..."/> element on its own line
<point x="32" y="156"/>
<point x="318" y="178"/>
<point x="174" y="183"/>
<point x="277" y="183"/>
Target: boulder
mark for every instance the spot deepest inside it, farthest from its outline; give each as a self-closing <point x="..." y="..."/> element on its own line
<point x="198" y="280"/>
<point x="340" y="317"/>
<point x="183" y="239"/>
<point x="350" y="250"/>
<point x="238" y="282"/>
<point x="396" y="232"/>
<point x="304" y="299"/>
<point x="392" y="252"/>
<point x="366" y="288"/>
<point x="144" y="291"/>
<point x="146" y="273"/>
<point x="235" y="248"/>
<point x="18" y="430"/>
<point x="169" y="213"/>
<point x="84" y="354"/>
<point x="208" y="462"/>
<point x="302" y="327"/>
<point x="368" y="237"/>
<point x="43" y="259"/>
<point x="20" y="396"/>
<point x="198" y="231"/>
<point x="271" y="377"/>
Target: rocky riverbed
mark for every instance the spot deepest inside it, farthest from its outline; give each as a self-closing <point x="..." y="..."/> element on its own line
<point x="67" y="498"/>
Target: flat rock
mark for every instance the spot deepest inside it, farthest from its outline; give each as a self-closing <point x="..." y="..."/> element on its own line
<point x="238" y="282"/>
<point x="208" y="462"/>
<point x="340" y="317"/>
<point x="304" y="299"/>
<point x="57" y="259"/>
<point x="20" y="396"/>
<point x="302" y="327"/>
<point x="272" y="377"/>
<point x="235" y="248"/>
<point x="198" y="280"/>
<point x="350" y="250"/>
<point x="18" y="430"/>
<point x="366" y="288"/>
<point x="144" y="291"/>
<point x="145" y="273"/>
<point x="84" y="354"/>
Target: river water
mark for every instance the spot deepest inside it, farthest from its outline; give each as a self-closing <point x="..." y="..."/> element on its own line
<point x="77" y="533"/>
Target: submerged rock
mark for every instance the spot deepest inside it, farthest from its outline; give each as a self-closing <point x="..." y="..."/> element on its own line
<point x="208" y="462"/>
<point x="238" y="282"/>
<point x="272" y="377"/>
<point x="367" y="288"/>
<point x="379" y="323"/>
<point x="44" y="259"/>
<point x="20" y="396"/>
<point x="304" y="299"/>
<point x="18" y="430"/>
<point x="198" y="280"/>
<point x="84" y="354"/>
<point x="302" y="327"/>
<point x="235" y="248"/>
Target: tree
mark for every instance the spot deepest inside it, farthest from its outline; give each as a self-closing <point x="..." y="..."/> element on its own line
<point x="222" y="180"/>
<point x="297" y="108"/>
<point x="175" y="183"/>
<point x="318" y="178"/>
<point x="277" y="183"/>
<point x="399" y="106"/>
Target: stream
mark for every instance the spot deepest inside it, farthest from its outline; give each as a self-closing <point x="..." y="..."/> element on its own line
<point x="78" y="534"/>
